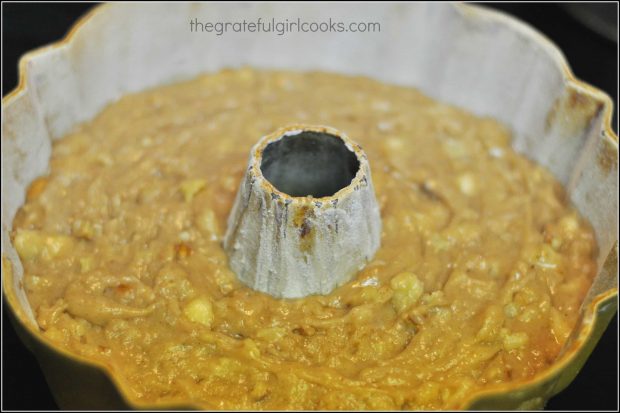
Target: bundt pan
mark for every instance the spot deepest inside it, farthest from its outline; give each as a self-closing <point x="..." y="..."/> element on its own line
<point x="483" y="61"/>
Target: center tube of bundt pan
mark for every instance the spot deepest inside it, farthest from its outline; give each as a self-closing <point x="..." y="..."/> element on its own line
<point x="305" y="219"/>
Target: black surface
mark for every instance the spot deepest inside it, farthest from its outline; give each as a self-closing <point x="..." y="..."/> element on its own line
<point x="592" y="57"/>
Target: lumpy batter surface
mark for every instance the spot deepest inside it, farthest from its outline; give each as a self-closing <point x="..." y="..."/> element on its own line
<point x="479" y="279"/>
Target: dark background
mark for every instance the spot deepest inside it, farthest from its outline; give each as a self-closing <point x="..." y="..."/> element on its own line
<point x="592" y="56"/>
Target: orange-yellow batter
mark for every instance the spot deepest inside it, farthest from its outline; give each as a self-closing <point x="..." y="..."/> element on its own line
<point x="478" y="281"/>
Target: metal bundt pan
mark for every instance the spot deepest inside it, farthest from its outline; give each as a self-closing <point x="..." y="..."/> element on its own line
<point x="483" y="61"/>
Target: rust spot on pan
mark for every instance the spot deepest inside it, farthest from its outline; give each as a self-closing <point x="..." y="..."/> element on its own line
<point x="607" y="156"/>
<point x="550" y="120"/>
<point x="300" y="215"/>
<point x="577" y="100"/>
<point x="306" y="228"/>
<point x="302" y="221"/>
<point x="572" y="113"/>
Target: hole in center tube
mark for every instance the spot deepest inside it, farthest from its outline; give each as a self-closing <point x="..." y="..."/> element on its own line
<point x="309" y="163"/>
